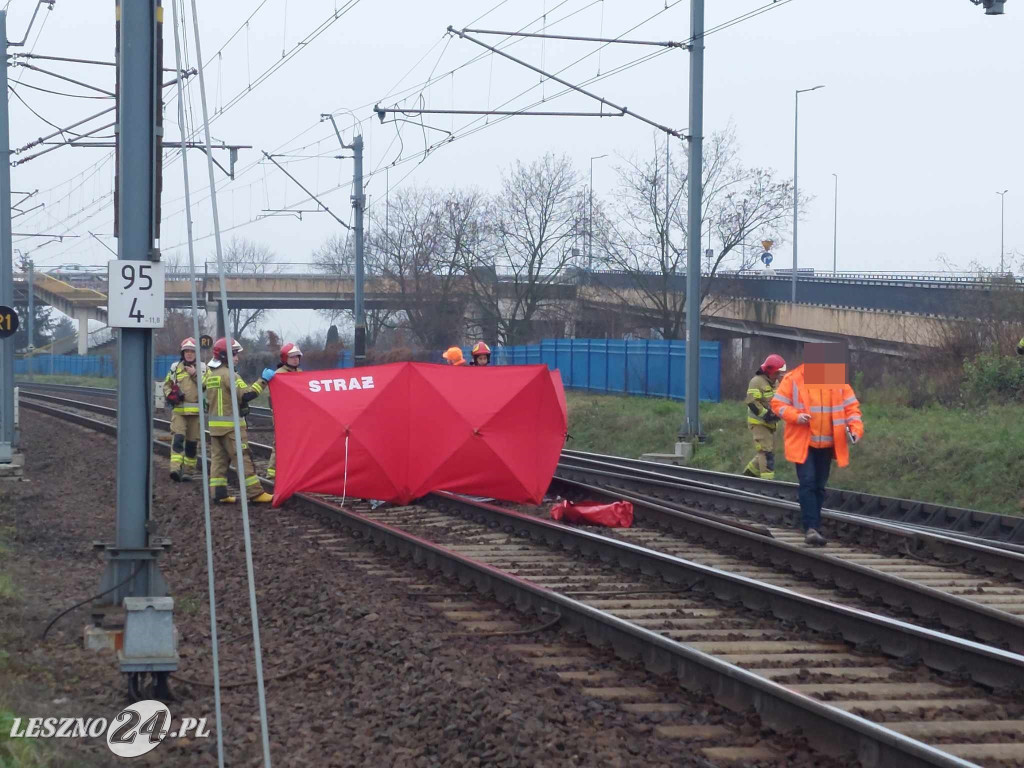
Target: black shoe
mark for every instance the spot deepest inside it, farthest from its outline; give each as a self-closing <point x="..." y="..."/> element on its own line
<point x="176" y="475"/>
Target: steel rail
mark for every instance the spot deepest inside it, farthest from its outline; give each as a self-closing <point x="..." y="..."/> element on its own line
<point x="986" y="525"/>
<point x="259" y="449"/>
<point x="959" y="522"/>
<point x="629" y="465"/>
<point x="104" y="392"/>
<point x="951" y="611"/>
<point x="880" y="534"/>
<point x="654" y="468"/>
<point x="828" y="728"/>
<point x="986" y="665"/>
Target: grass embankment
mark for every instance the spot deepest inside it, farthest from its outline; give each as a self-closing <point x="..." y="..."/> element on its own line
<point x="966" y="458"/>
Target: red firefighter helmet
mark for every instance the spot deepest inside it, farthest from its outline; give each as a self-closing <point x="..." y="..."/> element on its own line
<point x="480" y="348"/>
<point x="773" y="364"/>
<point x="220" y="348"/>
<point x="288" y="350"/>
<point x="188" y="344"/>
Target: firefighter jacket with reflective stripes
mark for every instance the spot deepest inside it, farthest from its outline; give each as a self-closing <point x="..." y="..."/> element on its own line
<point x="1020" y="347"/>
<point x="188" y="384"/>
<point x="832" y="410"/>
<point x="221" y="397"/>
<point x="759" y="398"/>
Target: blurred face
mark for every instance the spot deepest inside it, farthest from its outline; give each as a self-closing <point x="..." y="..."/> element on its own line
<point x="189" y="355"/>
<point x="483" y="359"/>
<point x="294" y="360"/>
<point x="825" y="365"/>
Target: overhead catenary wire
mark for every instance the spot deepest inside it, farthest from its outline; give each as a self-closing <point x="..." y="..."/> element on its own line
<point x="208" y="524"/>
<point x="420" y="155"/>
<point x="239" y="460"/>
<point x="252" y="86"/>
<point x="468" y="129"/>
<point x="60" y="131"/>
<point x="65" y="78"/>
<point x="61" y="93"/>
<point x="723" y="26"/>
<point x="338" y="12"/>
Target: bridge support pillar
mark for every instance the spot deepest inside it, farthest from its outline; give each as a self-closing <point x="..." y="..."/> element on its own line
<point x="82" y="316"/>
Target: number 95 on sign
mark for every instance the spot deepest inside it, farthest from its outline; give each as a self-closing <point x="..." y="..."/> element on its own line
<point x="135" y="294"/>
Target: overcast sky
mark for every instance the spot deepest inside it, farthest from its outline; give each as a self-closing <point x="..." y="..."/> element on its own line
<point x="920" y="115"/>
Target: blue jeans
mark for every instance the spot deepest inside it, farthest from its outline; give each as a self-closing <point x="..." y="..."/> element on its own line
<point x="813" y="476"/>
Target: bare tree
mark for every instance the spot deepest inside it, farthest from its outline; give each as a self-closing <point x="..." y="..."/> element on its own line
<point x="519" y="267"/>
<point x="643" y="240"/>
<point x="246" y="257"/>
<point x="422" y="249"/>
<point x="336" y="256"/>
<point x="177" y="326"/>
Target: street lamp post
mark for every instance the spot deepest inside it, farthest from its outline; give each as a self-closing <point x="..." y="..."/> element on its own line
<point x="1002" y="228"/>
<point x="835" y="222"/>
<point x="590" y="217"/>
<point x="796" y="209"/>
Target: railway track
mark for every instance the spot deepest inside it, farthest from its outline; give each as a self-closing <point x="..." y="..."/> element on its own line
<point x="985" y="525"/>
<point x="946" y="596"/>
<point x="862" y="686"/>
<point x="889" y="537"/>
<point x="971" y="524"/>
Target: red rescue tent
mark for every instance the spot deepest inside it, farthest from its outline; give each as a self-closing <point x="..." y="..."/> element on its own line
<point x="397" y="432"/>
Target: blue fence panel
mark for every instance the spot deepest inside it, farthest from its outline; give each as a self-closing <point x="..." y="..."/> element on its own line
<point x="67" y="365"/>
<point x="710" y="371"/>
<point x="162" y="364"/>
<point x="616" y="381"/>
<point x="580" y="363"/>
<point x="677" y="370"/>
<point x="598" y="365"/>
<point x="636" y="367"/>
<point x="563" y="360"/>
<point x="655" y="368"/>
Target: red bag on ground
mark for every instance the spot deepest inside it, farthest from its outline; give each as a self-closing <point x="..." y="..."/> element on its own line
<point x="618" y="514"/>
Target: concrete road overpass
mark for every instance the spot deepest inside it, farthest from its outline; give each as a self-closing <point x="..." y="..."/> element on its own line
<point x="888" y="311"/>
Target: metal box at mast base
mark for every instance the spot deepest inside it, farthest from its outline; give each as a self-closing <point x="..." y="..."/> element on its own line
<point x="150" y="640"/>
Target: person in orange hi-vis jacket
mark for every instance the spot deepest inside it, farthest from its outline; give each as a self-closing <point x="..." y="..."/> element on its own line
<point x="453" y="355"/>
<point x="823" y="419"/>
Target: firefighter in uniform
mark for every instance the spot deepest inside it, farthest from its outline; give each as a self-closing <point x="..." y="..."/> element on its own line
<point x="222" y="397"/>
<point x="291" y="359"/>
<point x="761" y="420"/>
<point x="481" y="354"/>
<point x="181" y="390"/>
